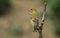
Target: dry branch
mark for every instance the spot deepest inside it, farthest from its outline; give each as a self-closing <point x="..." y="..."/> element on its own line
<point x="40" y="28"/>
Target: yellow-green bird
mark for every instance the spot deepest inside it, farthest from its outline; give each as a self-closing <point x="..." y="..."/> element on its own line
<point x="34" y="18"/>
<point x="34" y="13"/>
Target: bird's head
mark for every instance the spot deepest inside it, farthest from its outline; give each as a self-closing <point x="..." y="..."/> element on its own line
<point x="32" y="9"/>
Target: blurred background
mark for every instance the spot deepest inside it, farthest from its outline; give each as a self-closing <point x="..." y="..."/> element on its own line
<point x="15" y="18"/>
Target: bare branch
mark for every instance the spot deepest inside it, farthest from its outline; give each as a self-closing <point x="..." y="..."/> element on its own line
<point x="42" y="21"/>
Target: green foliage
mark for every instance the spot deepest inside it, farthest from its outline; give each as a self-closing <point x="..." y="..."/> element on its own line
<point x="51" y="2"/>
<point x="56" y="10"/>
<point x="55" y="7"/>
<point x="15" y="31"/>
<point x="55" y="17"/>
<point x="4" y="6"/>
<point x="57" y="30"/>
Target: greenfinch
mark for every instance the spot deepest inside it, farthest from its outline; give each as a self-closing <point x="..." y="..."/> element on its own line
<point x="34" y="18"/>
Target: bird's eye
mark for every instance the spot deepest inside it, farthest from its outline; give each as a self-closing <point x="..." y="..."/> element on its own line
<point x="31" y="9"/>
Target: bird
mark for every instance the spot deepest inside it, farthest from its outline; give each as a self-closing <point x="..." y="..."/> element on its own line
<point x="34" y="15"/>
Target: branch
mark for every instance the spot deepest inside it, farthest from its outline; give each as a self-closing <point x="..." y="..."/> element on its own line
<point x="42" y="22"/>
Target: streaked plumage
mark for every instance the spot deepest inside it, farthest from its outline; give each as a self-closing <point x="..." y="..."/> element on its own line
<point x="34" y="18"/>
